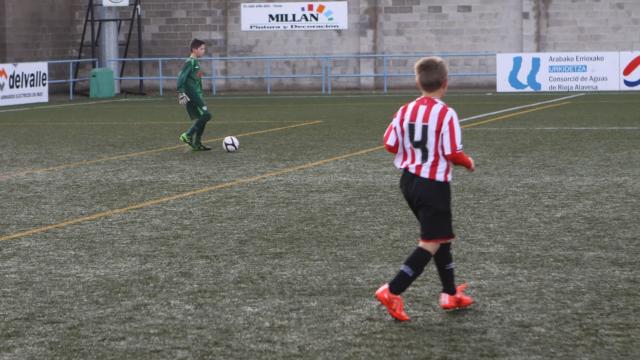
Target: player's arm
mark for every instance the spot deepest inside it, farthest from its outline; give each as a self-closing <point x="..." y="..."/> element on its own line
<point x="452" y="141"/>
<point x="187" y="69"/>
<point x="390" y="140"/>
<point x="460" y="158"/>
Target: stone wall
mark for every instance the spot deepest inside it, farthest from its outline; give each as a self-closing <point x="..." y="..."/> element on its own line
<point x="587" y="24"/>
<point x="39" y="30"/>
<point x="3" y="32"/>
<point x="36" y="30"/>
<point x="51" y="29"/>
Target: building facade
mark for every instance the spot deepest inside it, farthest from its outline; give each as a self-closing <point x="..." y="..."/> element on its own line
<point x="51" y="29"/>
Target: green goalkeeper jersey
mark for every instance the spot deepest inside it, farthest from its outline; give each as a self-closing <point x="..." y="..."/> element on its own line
<point x="190" y="78"/>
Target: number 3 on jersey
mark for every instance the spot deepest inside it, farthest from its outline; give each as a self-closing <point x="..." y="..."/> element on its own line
<point x="422" y="143"/>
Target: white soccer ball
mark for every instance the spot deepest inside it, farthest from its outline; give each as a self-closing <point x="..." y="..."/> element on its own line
<point x="230" y="144"/>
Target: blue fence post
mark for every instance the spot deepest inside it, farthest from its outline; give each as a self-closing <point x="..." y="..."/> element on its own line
<point x="161" y="77"/>
<point x="384" y="72"/>
<point x="324" y="74"/>
<point x="328" y="76"/>
<point x="267" y="74"/>
<point x="71" y="80"/>
<point x="213" y="76"/>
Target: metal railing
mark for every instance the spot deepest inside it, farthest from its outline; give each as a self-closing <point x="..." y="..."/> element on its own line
<point x="71" y="80"/>
<point x="325" y="72"/>
<point x="386" y="75"/>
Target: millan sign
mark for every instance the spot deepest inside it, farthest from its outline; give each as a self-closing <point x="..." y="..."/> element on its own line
<point x="330" y="15"/>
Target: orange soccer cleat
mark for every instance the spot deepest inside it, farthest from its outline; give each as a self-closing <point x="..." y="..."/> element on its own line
<point x="393" y="303"/>
<point x="457" y="301"/>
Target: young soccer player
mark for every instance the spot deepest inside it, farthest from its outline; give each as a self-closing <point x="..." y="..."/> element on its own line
<point x="190" y="94"/>
<point x="426" y="139"/>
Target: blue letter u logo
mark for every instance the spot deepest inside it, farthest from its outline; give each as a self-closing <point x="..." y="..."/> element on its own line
<point x="531" y="78"/>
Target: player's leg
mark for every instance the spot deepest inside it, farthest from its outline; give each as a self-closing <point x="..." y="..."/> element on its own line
<point x="411" y="269"/>
<point x="203" y="117"/>
<point x="451" y="297"/>
<point x="440" y="232"/>
<point x="417" y="191"/>
<point x="187" y="137"/>
<point x="445" y="266"/>
<point x="413" y="266"/>
<point x="206" y="116"/>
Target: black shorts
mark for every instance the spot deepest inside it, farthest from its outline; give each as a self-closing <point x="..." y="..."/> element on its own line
<point x="430" y="202"/>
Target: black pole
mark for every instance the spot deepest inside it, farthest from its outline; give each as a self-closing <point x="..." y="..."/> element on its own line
<point x="140" y="67"/>
<point x="93" y="34"/>
<point x="84" y="34"/>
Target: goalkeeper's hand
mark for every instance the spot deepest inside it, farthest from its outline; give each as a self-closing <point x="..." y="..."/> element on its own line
<point x="183" y="99"/>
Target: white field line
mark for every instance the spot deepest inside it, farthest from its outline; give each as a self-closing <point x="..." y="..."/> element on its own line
<point x="519" y="107"/>
<point x="300" y="97"/>
<point x="62" y="105"/>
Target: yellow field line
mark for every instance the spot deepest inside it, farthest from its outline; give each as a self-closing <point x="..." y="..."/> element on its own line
<point x="230" y="184"/>
<point x="147" y="152"/>
<point x="132" y="123"/>
<point x="182" y="195"/>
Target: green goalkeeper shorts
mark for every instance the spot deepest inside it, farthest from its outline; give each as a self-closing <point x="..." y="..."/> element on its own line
<point x="197" y="108"/>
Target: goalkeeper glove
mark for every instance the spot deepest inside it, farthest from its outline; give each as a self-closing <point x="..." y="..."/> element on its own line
<point x="183" y="99"/>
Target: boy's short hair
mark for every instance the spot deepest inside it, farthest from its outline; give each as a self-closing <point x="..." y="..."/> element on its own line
<point x="195" y="43"/>
<point x="431" y="73"/>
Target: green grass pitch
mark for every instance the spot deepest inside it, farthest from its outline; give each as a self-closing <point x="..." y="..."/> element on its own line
<point x="117" y="242"/>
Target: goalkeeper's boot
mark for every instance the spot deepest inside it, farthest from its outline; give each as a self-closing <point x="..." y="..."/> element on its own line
<point x="200" y="147"/>
<point x="393" y="303"/>
<point x="187" y="139"/>
<point x="457" y="301"/>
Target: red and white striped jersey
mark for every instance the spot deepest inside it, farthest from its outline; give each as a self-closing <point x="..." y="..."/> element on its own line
<point x="422" y="133"/>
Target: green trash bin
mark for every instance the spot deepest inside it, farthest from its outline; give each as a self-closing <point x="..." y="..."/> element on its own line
<point x="101" y="83"/>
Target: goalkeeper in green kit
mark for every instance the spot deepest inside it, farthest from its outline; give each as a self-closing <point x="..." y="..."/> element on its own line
<point x="190" y="94"/>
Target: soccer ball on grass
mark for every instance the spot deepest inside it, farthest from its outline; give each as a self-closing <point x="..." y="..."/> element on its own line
<point x="230" y="144"/>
